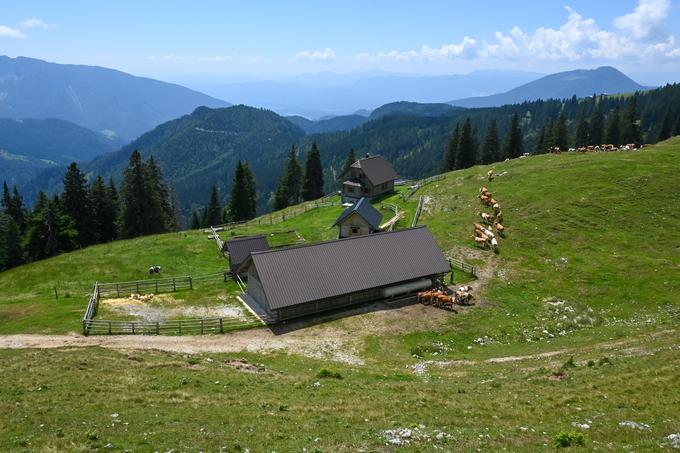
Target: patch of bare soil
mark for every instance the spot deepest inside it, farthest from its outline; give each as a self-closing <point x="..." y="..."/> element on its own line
<point x="245" y="367"/>
<point x="161" y="307"/>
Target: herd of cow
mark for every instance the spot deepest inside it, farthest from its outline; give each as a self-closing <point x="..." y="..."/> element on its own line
<point x="484" y="236"/>
<point x="439" y="298"/>
<point x="607" y="147"/>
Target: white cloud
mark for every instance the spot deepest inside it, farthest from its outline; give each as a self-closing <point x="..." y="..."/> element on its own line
<point x="639" y="35"/>
<point x="316" y="55"/>
<point x="9" y="32"/>
<point x="35" y="22"/>
<point x="647" y="20"/>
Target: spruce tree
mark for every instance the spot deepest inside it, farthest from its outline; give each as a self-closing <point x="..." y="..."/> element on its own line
<point x="213" y="214"/>
<point x="582" y="129"/>
<point x="76" y="203"/>
<point x="467" y="152"/>
<point x="51" y="231"/>
<point x="11" y="250"/>
<point x="13" y="205"/>
<point x="491" y="149"/>
<point x="665" y="130"/>
<point x="514" y="143"/>
<point x="294" y="177"/>
<point x="676" y="129"/>
<point x="161" y="214"/>
<point x="104" y="211"/>
<point x="312" y="187"/>
<point x="195" y="220"/>
<point x="135" y="216"/>
<point x="6" y="198"/>
<point x="541" y="144"/>
<point x="596" y="131"/>
<point x="613" y="134"/>
<point x="351" y="158"/>
<point x="250" y="192"/>
<point x="239" y="193"/>
<point x="561" y="139"/>
<point x="452" y="150"/>
<point x="630" y="130"/>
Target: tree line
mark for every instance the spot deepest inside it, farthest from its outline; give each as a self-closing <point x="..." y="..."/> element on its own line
<point x="296" y="185"/>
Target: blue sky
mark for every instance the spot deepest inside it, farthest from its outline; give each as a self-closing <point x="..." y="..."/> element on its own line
<point x="272" y="39"/>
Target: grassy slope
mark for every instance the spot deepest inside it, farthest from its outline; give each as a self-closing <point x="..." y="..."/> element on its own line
<point x="612" y="216"/>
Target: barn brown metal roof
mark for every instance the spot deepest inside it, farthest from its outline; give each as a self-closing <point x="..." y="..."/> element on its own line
<point x="239" y="249"/>
<point x="376" y="169"/>
<point x="296" y="275"/>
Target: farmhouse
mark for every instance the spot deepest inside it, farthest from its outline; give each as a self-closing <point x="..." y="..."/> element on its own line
<point x="368" y="177"/>
<point x="296" y="281"/>
<point x="359" y="219"/>
<point x="239" y="249"/>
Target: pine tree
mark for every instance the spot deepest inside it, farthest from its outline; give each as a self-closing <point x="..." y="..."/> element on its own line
<point x="104" y="211"/>
<point x="596" y="131"/>
<point x="6" y="198"/>
<point x="213" y="214"/>
<point x="561" y="139"/>
<point x="613" y="133"/>
<point x="491" y="150"/>
<point x="50" y="230"/>
<point x="135" y="216"/>
<point x="290" y="184"/>
<point x="76" y="203"/>
<point x="452" y="150"/>
<point x="251" y="192"/>
<point x="541" y="144"/>
<point x="630" y="130"/>
<point x="550" y="135"/>
<point x="514" y="143"/>
<point x="351" y="158"/>
<point x="312" y="187"/>
<point x="676" y="129"/>
<point x="467" y="152"/>
<point x="582" y="129"/>
<point x="666" y="126"/>
<point x="195" y="220"/>
<point x="14" y="206"/>
<point x="11" y="251"/>
<point x="161" y="213"/>
<point x="238" y="201"/>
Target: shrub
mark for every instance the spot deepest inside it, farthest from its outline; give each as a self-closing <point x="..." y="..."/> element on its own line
<point x="326" y="373"/>
<point x="565" y="439"/>
<point x="604" y="361"/>
<point x="569" y="363"/>
<point x="591" y="363"/>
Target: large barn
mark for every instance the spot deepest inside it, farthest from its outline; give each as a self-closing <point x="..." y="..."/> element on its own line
<point x="296" y="281"/>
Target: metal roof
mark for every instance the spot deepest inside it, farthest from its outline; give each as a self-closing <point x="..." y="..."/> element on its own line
<point x="239" y="249"/>
<point x="365" y="209"/>
<point x="295" y="275"/>
<point x="376" y="169"/>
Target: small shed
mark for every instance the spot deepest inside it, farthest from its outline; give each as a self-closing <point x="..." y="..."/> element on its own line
<point x="302" y="280"/>
<point x="359" y="219"/>
<point x="239" y="249"/>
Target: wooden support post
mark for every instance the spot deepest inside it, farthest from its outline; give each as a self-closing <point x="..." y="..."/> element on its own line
<point x="191" y="282"/>
<point x="221" y="326"/>
<point x="109" y="327"/>
<point x="158" y="328"/>
<point x="133" y="327"/>
<point x="201" y="326"/>
<point x="179" y="324"/>
<point x="56" y="296"/>
<point x="156" y="286"/>
<point x="174" y="284"/>
<point x="137" y="287"/>
<point x="117" y="290"/>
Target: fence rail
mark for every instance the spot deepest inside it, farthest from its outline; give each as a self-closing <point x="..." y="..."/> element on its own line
<point x="170" y="327"/>
<point x="156" y="286"/>
<point x="463" y="266"/>
<point x="416" y="216"/>
<point x="420" y="183"/>
<point x="92" y="306"/>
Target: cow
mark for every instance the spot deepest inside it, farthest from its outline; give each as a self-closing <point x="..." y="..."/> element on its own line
<point x="489" y="175"/>
<point x="496" y="207"/>
<point x="492" y="202"/>
<point x="484" y="199"/>
<point x="154" y="270"/>
<point x="481" y="242"/>
<point x="494" y="244"/>
<point x="500" y="229"/>
<point x="499" y="217"/>
<point x="486" y="217"/>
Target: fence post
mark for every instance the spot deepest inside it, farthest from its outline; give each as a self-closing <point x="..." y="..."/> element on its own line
<point x="201" y="326"/>
<point x="137" y="287"/>
<point x="158" y="328"/>
<point x="174" y="285"/>
<point x="180" y="326"/>
<point x="117" y="290"/>
<point x="156" y="286"/>
<point x="109" y="327"/>
<point x="133" y="327"/>
<point x="221" y="326"/>
<point x="191" y="283"/>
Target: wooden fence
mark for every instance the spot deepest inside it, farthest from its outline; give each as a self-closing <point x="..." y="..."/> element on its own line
<point x="463" y="266"/>
<point x="170" y="327"/>
<point x="92" y="306"/>
<point x="416" y="216"/>
<point x="156" y="286"/>
<point x="420" y="183"/>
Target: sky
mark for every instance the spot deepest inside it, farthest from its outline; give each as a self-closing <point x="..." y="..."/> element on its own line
<point x="224" y="40"/>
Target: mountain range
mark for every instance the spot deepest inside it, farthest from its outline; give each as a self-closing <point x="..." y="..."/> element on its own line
<point x="562" y="85"/>
<point x="317" y="95"/>
<point x="28" y="146"/>
<point x="104" y="100"/>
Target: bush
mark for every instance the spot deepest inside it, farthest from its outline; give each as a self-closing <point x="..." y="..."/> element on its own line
<point x="569" y="363"/>
<point x="326" y="373"/>
<point x="591" y="363"/>
<point x="567" y="439"/>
